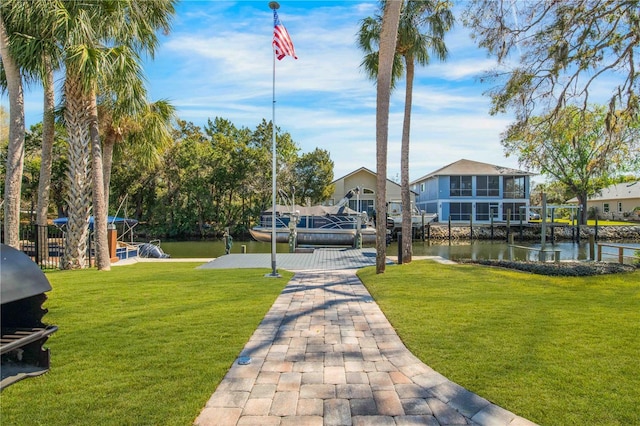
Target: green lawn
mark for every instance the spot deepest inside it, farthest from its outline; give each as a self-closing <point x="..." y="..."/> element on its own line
<point x="145" y="344"/>
<point x="558" y="351"/>
<point x="590" y="222"/>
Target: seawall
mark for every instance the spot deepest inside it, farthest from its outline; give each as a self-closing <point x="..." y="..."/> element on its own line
<point x="532" y="232"/>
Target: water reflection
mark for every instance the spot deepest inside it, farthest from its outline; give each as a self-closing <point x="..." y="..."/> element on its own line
<point x="454" y="251"/>
<point x="499" y="250"/>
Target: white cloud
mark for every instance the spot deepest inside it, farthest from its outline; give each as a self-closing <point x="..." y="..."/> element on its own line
<point x="218" y="61"/>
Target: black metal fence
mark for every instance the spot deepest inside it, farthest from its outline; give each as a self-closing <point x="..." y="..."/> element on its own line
<point x="44" y="244"/>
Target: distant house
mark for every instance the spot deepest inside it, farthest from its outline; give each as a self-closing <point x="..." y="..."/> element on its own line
<point x="470" y="190"/>
<point x="616" y="201"/>
<point x="365" y="200"/>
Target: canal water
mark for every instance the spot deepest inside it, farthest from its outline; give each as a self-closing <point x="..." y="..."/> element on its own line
<point x="454" y="251"/>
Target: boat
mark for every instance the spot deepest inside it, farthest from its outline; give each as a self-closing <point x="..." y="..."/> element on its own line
<point x="315" y="225"/>
<point x="124" y="230"/>
<point x="418" y="218"/>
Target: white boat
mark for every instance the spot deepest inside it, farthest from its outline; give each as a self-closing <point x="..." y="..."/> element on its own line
<point x="418" y="218"/>
<point x="315" y="226"/>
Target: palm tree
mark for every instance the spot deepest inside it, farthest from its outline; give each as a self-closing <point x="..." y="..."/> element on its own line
<point x="15" y="153"/>
<point x="36" y="54"/>
<point x="148" y="131"/>
<point x="100" y="39"/>
<point x="388" y="36"/>
<point x="412" y="46"/>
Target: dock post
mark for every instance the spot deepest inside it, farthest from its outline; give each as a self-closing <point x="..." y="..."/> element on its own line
<point x="491" y="226"/>
<point x="521" y="230"/>
<point x="599" y="253"/>
<point x="357" y="242"/>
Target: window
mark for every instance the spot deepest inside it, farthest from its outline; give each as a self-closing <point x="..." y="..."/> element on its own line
<point x="365" y="206"/>
<point x="605" y="207"/>
<point x="460" y="211"/>
<point x="422" y="187"/>
<point x="514" y="209"/>
<point x="514" y="187"/>
<point x="482" y="211"/>
<point x="460" y="186"/>
<point x="619" y="207"/>
<point x="488" y="186"/>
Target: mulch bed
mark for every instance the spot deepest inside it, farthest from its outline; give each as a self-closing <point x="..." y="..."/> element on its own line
<point x="565" y="269"/>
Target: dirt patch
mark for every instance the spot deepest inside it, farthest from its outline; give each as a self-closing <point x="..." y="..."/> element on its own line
<point x="565" y="269"/>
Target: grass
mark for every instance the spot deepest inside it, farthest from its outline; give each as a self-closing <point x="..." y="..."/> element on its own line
<point x="590" y="222"/>
<point x="145" y="344"/>
<point x="558" y="351"/>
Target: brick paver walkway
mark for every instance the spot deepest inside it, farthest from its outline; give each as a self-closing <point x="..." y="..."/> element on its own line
<point x="326" y="355"/>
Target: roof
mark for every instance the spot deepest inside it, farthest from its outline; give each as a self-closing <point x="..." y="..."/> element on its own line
<point x="368" y="171"/>
<point x="473" y="168"/>
<point x="360" y="170"/>
<point x="619" y="191"/>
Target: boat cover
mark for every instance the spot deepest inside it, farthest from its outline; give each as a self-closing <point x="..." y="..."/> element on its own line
<point x="61" y="221"/>
<point x="313" y="210"/>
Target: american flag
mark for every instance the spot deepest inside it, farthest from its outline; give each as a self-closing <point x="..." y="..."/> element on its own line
<point x="282" y="44"/>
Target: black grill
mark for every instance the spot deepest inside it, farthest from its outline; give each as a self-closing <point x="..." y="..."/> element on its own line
<point x="22" y="293"/>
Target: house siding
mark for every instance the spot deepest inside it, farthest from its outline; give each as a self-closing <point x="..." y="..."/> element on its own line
<point x="366" y="180"/>
<point x="435" y="196"/>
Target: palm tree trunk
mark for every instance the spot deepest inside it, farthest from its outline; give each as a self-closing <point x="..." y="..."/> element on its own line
<point x="79" y="197"/>
<point x="103" y="260"/>
<point x="15" y="151"/>
<point x="107" y="156"/>
<point x="407" y="226"/>
<point x="388" y="37"/>
<point x="48" y="134"/>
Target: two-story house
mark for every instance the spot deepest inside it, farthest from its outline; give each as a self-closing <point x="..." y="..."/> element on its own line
<point x="469" y="190"/>
<point x="364" y="180"/>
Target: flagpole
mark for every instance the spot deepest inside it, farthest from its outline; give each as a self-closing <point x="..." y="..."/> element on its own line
<point x="274" y="273"/>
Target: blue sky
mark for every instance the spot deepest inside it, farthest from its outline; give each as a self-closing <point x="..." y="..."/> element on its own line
<point x="218" y="62"/>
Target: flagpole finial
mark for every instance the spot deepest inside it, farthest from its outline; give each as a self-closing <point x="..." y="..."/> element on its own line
<point x="274" y="5"/>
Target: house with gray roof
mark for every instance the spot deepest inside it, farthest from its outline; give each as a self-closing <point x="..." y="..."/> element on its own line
<point x="470" y="190"/>
<point x="616" y="202"/>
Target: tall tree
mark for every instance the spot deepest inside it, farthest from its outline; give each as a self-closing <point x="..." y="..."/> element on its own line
<point x="386" y="55"/>
<point x="286" y="155"/>
<point x="577" y="149"/>
<point x="100" y="39"/>
<point x="15" y="151"/>
<point x="313" y="176"/>
<point x="36" y="53"/>
<point x="148" y="129"/>
<point x="421" y="31"/>
<point x="558" y="53"/>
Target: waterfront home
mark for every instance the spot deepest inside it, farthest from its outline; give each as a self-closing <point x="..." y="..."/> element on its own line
<point x="365" y="200"/>
<point x="616" y="202"/>
<point x="469" y="190"/>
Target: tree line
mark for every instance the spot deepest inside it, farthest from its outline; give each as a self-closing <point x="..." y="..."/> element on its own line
<point x="203" y="181"/>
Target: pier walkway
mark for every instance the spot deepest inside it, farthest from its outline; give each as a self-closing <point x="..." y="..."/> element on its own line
<point x="325" y="354"/>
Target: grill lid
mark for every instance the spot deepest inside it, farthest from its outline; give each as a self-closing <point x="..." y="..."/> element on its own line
<point x="20" y="277"/>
